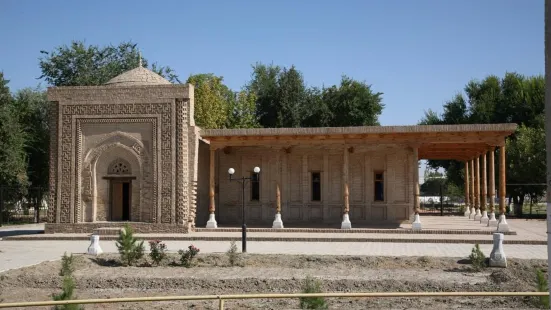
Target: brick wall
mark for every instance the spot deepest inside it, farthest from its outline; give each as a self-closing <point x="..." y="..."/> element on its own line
<point x="295" y="176"/>
<point x="88" y="228"/>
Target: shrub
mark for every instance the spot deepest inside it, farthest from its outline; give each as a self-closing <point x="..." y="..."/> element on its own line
<point x="309" y="286"/>
<point x="478" y="259"/>
<point x="68" y="286"/>
<point x="542" y="286"/>
<point x="67" y="265"/>
<point x="233" y="254"/>
<point x="186" y="257"/>
<point x="67" y="293"/>
<point x="129" y="248"/>
<point x="158" y="251"/>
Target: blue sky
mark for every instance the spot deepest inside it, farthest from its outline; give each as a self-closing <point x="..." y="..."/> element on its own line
<point x="418" y="53"/>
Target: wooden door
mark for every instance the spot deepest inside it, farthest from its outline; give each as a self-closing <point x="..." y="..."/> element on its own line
<point x="116" y="201"/>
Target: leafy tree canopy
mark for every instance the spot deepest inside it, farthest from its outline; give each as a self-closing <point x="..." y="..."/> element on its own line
<point x="88" y="65"/>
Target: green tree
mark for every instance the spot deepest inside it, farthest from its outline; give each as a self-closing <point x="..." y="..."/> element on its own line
<point x="32" y="110"/>
<point x="291" y="95"/>
<point x="264" y="84"/>
<point x="212" y="100"/>
<point x="13" y="158"/>
<point x="317" y="112"/>
<point x="87" y="65"/>
<point x="353" y="103"/>
<point x="283" y="100"/>
<point x="433" y="181"/>
<point x="242" y="112"/>
<point x="526" y="163"/>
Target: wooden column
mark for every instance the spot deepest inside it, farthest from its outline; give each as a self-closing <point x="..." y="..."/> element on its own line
<point x="278" y="199"/>
<point x="345" y="181"/>
<point x="471" y="163"/>
<point x="467" y="202"/>
<point x="278" y="181"/>
<point x="212" y="206"/>
<point x="477" y="183"/>
<point x="484" y="185"/>
<point x="492" y="181"/>
<point x="502" y="184"/>
<point x="416" y="180"/>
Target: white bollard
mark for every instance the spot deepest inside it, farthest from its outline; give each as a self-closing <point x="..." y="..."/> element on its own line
<point x="497" y="257"/>
<point x="473" y="212"/>
<point x="94" y="248"/>
<point x="211" y="223"/>
<point x="346" y="222"/>
<point x="416" y="225"/>
<point x="278" y="223"/>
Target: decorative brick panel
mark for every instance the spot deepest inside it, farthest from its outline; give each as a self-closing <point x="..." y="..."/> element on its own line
<point x="167" y="165"/>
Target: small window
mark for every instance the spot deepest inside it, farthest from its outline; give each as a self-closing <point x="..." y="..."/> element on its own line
<point x="316" y="186"/>
<point x="255" y="187"/>
<point x="379" y="186"/>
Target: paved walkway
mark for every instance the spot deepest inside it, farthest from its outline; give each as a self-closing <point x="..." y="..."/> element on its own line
<point x="16" y="254"/>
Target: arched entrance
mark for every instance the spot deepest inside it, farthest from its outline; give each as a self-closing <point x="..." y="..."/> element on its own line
<point x="117" y="181"/>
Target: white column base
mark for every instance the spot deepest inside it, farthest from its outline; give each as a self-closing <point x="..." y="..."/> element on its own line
<point x="278" y="223"/>
<point x="467" y="212"/>
<point x="94" y="248"/>
<point x="416" y="225"/>
<point x="492" y="222"/>
<point x="477" y="215"/>
<point x="497" y="257"/>
<point x="346" y="222"/>
<point x="211" y="223"/>
<point x="473" y="212"/>
<point x="502" y="225"/>
<point x="484" y="219"/>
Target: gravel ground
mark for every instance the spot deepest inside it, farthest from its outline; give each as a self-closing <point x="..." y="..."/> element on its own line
<point x="102" y="277"/>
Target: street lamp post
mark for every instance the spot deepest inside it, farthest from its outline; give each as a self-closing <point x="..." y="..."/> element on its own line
<point x="243" y="180"/>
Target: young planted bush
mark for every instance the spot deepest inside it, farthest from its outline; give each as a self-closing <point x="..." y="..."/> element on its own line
<point x="233" y="254"/>
<point x="67" y="265"/>
<point x="186" y="257"/>
<point x="129" y="248"/>
<point x="542" y="286"/>
<point x="67" y="293"/>
<point x="309" y="286"/>
<point x="478" y="259"/>
<point x="157" y="251"/>
<point x="68" y="287"/>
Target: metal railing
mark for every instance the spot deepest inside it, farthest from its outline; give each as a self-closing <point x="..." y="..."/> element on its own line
<point x="222" y="298"/>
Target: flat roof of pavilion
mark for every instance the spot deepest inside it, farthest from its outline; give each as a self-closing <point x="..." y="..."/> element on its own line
<point x="459" y="142"/>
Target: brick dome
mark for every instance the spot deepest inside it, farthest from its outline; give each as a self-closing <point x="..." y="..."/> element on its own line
<point x="138" y="77"/>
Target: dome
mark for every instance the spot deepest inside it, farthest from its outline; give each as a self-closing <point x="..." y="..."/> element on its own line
<point x="138" y="77"/>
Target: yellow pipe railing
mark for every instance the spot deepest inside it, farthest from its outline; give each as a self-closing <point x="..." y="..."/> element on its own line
<point x="221" y="298"/>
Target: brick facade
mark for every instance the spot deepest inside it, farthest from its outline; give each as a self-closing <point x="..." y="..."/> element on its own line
<point x="150" y="129"/>
<point x="294" y="170"/>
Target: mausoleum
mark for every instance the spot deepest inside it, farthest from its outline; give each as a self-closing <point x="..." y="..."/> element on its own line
<point x="129" y="151"/>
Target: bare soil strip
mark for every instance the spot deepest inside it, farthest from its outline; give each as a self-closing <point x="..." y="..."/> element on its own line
<point x="103" y="277"/>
